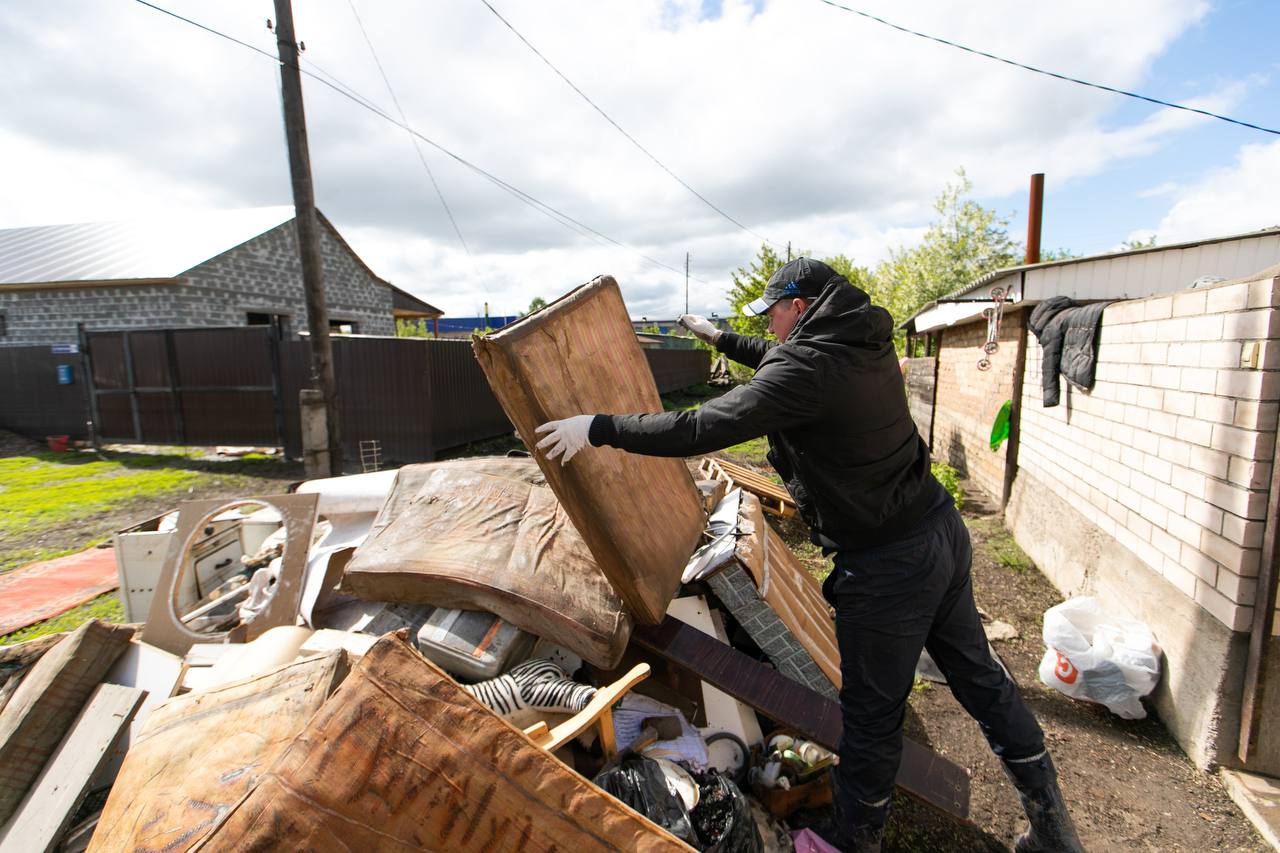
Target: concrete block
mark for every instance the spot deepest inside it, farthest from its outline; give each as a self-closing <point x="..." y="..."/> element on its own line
<point x="1138" y="374"/>
<point x="1162" y="424"/>
<point x="1250" y="473"/>
<point x="1158" y="308"/>
<point x="1209" y="407"/>
<point x="1235" y="500"/>
<point x="1249" y="384"/>
<point x="1177" y="452"/>
<point x="1227" y="297"/>
<point x="1182" y="580"/>
<point x="1130" y="311"/>
<point x="1229" y="555"/>
<point x="1143" y="333"/>
<point x="1150" y="398"/>
<point x="1187" y="481"/>
<point x="1242" y="531"/>
<point x="1148" y="441"/>
<point x="1206" y="327"/>
<point x="1157" y="468"/>
<point x="1166" y="544"/>
<point x="1171" y="499"/>
<point x="1235" y="616"/>
<point x="1213" y="463"/>
<point x="1171" y="330"/>
<point x="1250" y="325"/>
<point x="1189" y="303"/>
<point x="1251" y="414"/>
<point x="1198" y="564"/>
<point x="1136" y="416"/>
<point x="1139" y="527"/>
<point x="1194" y="431"/>
<point x="1239" y="589"/>
<point x="1264" y="292"/>
<point x="1246" y="443"/>
<point x="1201" y="380"/>
<point x="1179" y="402"/>
<point x="1113" y="334"/>
<point x="1156" y="514"/>
<point x="1166" y="377"/>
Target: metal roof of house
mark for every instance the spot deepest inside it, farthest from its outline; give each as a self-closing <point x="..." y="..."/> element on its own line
<point x="151" y="248"/>
<point x="1131" y="274"/>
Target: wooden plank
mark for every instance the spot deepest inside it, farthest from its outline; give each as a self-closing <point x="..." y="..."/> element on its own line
<point x="45" y="812"/>
<point x="199" y="753"/>
<point x="641" y="516"/>
<point x="923" y="773"/>
<point x="402" y="758"/>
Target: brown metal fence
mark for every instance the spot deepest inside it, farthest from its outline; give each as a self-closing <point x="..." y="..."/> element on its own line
<point x="240" y="386"/>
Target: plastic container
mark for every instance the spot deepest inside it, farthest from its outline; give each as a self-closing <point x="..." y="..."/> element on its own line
<point x="472" y="644"/>
<point x="58" y="443"/>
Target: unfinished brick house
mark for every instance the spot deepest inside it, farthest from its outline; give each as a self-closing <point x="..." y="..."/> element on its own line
<point x="224" y="268"/>
<point x="1154" y="490"/>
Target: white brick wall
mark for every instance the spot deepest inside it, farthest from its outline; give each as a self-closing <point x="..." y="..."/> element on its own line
<point x="1171" y="451"/>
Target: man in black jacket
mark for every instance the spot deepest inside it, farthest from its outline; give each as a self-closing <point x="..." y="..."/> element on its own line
<point x="830" y="397"/>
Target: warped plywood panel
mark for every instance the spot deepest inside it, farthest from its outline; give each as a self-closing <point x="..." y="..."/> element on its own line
<point x="199" y="753"/>
<point x="641" y="516"/>
<point x="402" y="758"/>
<point x="480" y="535"/>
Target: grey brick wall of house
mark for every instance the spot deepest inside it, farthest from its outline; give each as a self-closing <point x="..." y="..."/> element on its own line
<point x="737" y="591"/>
<point x="262" y="275"/>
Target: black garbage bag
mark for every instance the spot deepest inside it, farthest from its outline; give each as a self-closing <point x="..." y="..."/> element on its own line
<point x="722" y="817"/>
<point x="640" y="783"/>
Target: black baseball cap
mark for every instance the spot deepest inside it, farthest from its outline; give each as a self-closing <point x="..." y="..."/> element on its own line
<point x="802" y="278"/>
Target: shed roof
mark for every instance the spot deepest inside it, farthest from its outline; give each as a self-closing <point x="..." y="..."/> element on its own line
<point x="150" y="248"/>
<point x="1115" y="275"/>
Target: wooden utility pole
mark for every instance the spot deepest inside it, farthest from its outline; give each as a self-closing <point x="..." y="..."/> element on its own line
<point x="686" y="282"/>
<point x="788" y="251"/>
<point x="304" y="204"/>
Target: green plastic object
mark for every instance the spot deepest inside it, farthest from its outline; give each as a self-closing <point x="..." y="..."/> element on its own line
<point x="1000" y="429"/>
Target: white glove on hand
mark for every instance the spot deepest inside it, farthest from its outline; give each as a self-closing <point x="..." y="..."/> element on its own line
<point x="566" y="437"/>
<point x="700" y="326"/>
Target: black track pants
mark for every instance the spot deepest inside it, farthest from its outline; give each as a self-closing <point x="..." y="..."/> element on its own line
<point x="890" y="602"/>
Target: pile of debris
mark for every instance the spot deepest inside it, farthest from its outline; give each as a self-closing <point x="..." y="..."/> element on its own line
<point x="481" y="654"/>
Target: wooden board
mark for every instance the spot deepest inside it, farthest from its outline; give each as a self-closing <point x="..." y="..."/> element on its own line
<point x="775" y="499"/>
<point x="401" y="758"/>
<point x="796" y="596"/>
<point x="199" y="753"/>
<point x="47" y="701"/>
<point x="48" y="807"/>
<point x="640" y="515"/>
<point x="483" y="537"/>
<point x="923" y="773"/>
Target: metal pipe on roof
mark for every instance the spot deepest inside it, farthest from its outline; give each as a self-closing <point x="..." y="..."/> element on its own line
<point x="1035" y="216"/>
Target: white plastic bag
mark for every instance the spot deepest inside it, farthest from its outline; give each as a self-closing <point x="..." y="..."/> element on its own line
<point x="1100" y="658"/>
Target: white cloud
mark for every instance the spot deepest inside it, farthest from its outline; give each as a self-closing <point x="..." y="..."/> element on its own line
<point x="808" y="124"/>
<point x="1226" y="201"/>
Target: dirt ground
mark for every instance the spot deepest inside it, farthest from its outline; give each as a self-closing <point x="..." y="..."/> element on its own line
<point x="1127" y="783"/>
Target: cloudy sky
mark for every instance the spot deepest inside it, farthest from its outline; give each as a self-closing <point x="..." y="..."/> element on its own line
<point x="802" y="122"/>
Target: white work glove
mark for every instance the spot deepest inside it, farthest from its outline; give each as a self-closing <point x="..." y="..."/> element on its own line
<point x="700" y="326"/>
<point x="566" y="437"/>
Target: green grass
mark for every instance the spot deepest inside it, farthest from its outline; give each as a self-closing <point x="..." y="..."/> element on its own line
<point x="51" y="489"/>
<point x="105" y="607"/>
<point x="1005" y="550"/>
<point x="750" y="452"/>
<point x="950" y="479"/>
<point x="690" y="398"/>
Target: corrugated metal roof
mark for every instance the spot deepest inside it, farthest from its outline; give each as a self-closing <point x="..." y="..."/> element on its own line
<point x="155" y="247"/>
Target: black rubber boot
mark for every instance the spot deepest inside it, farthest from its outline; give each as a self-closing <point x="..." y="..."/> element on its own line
<point x="857" y="829"/>
<point x="1051" y="829"/>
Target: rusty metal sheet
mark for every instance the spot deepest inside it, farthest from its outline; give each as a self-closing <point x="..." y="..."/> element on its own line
<point x="641" y="516"/>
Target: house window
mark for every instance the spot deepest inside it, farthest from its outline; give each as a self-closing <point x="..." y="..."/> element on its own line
<point x="4" y="325"/>
<point x="279" y="321"/>
<point x="343" y="327"/>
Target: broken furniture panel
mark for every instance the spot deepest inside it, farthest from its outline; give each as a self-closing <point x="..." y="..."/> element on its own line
<point x="48" y="700"/>
<point x="48" y="807"/>
<point x="165" y="627"/>
<point x="16" y="661"/>
<point x="924" y="774"/>
<point x="199" y="753"/>
<point x="403" y="758"/>
<point x="455" y="536"/>
<point x="640" y="515"/>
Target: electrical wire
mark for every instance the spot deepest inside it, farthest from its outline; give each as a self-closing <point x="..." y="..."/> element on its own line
<point x="416" y="147"/>
<point x="619" y="127"/>
<point x="1053" y="74"/>
<point x="345" y="91"/>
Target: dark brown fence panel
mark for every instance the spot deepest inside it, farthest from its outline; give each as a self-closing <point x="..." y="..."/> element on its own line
<point x="32" y="403"/>
<point x="463" y="408"/>
<point x="921" y="377"/>
<point x="674" y="369"/>
<point x="384" y="393"/>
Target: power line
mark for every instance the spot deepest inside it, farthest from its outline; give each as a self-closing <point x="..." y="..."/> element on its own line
<point x="1053" y="74"/>
<point x="619" y="128"/>
<point x="345" y="91"/>
<point x="416" y="147"/>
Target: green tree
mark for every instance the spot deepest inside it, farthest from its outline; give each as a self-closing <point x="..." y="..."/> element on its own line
<point x="537" y="304"/>
<point x="748" y="285"/>
<point x="966" y="242"/>
<point x="411" y="328"/>
<point x="1130" y="245"/>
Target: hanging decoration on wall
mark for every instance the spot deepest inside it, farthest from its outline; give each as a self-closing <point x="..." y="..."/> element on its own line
<point x="992" y="315"/>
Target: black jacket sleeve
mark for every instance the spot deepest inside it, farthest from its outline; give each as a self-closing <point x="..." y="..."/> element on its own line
<point x="785" y="392"/>
<point x="744" y="349"/>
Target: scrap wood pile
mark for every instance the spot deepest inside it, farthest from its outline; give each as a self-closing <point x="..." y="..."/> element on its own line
<point x="481" y="654"/>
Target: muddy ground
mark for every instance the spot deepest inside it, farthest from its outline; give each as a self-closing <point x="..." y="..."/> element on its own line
<point x="1128" y="784"/>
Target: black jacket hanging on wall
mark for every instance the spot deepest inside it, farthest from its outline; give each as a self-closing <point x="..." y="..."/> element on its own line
<point x="1068" y="335"/>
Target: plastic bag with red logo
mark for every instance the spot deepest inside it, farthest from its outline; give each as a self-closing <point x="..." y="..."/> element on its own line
<point x="1098" y="657"/>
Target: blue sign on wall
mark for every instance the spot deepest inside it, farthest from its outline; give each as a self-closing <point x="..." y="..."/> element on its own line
<point x="65" y="375"/>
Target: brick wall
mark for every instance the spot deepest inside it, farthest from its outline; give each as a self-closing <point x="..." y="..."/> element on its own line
<point x="1170" y="453"/>
<point x="968" y="400"/>
<point x="260" y="275"/>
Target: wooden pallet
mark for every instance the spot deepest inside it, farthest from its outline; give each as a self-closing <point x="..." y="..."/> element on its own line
<point x="773" y="498"/>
